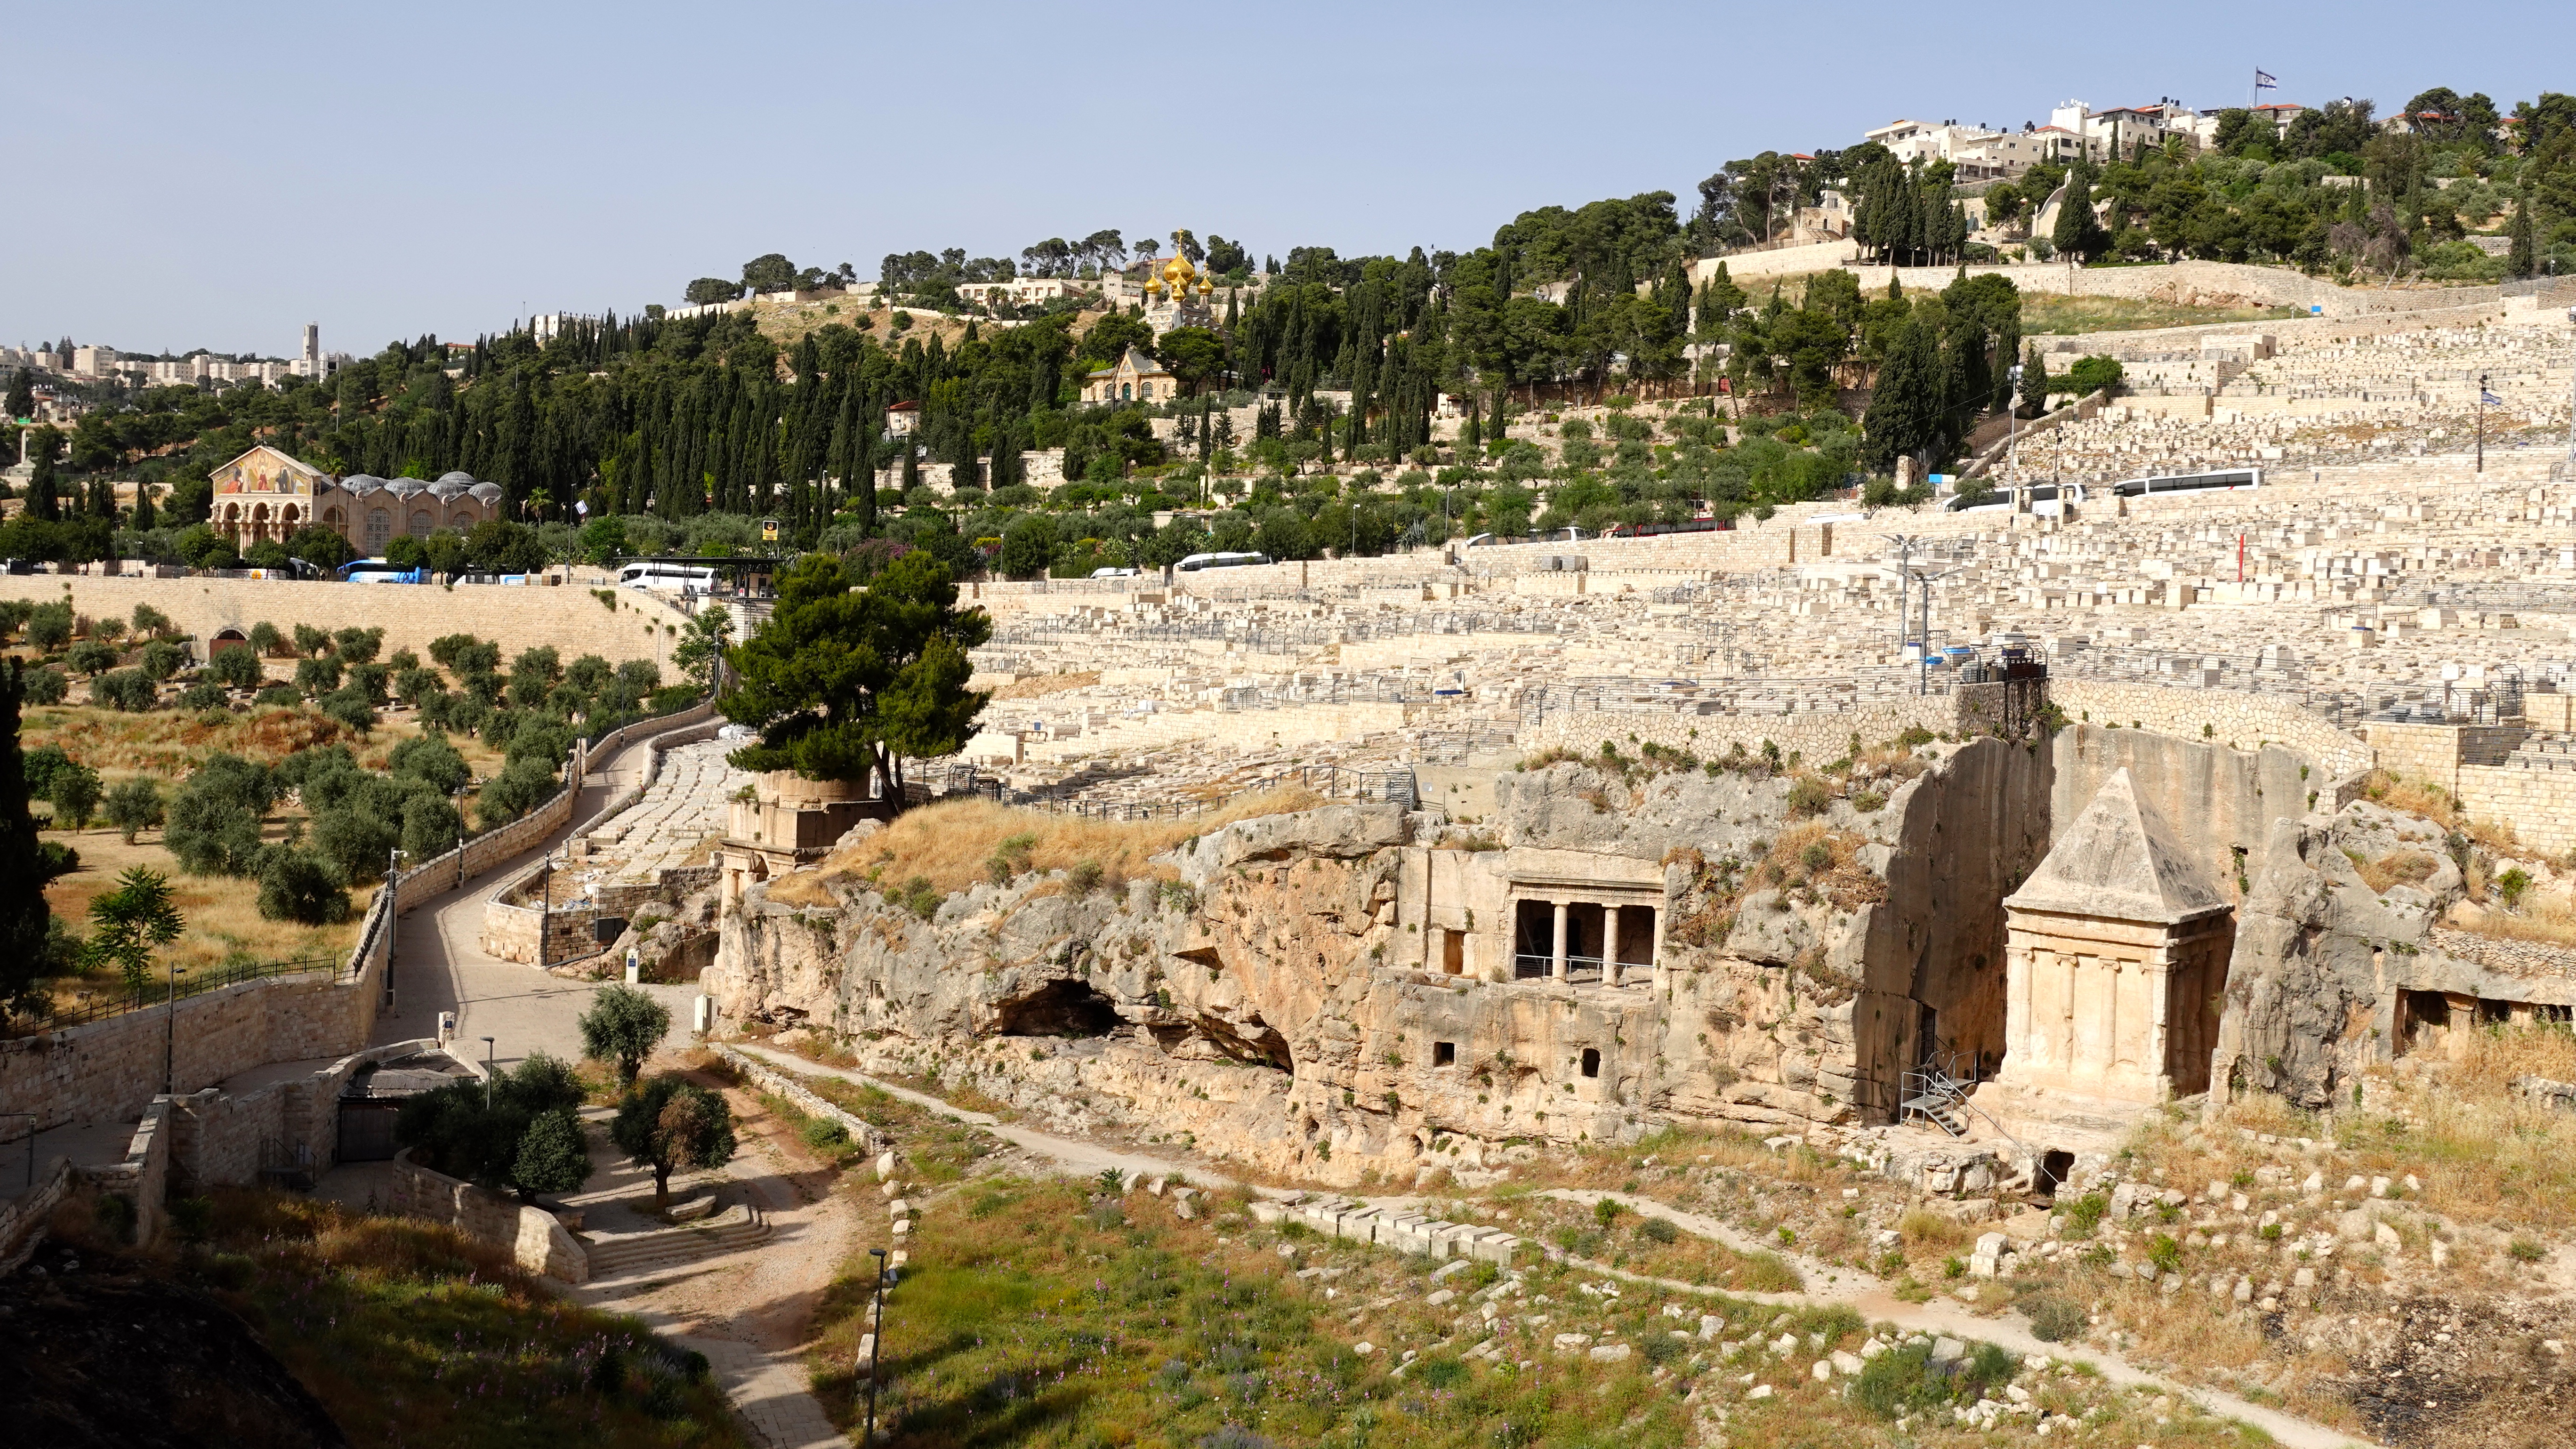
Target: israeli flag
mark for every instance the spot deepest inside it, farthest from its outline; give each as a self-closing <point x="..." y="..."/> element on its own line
<point x="2490" y="399"/>
<point x="2263" y="81"/>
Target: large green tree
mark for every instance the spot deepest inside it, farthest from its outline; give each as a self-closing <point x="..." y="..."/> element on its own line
<point x="841" y="680"/>
<point x="1909" y="410"/>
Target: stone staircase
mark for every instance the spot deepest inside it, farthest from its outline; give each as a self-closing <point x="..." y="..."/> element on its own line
<point x="623" y="1254"/>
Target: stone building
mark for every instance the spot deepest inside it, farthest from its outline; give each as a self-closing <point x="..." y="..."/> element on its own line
<point x="267" y="495"/>
<point x="1133" y="378"/>
<point x="2116" y="957"/>
<point x="789" y="821"/>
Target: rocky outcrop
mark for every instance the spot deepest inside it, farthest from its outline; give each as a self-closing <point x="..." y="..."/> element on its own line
<point x="2307" y="983"/>
<point x="1262" y="997"/>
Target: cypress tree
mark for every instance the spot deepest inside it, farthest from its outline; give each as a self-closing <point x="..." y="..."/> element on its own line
<point x="41" y="448"/>
<point x="2522" y="258"/>
<point x="1497" y="433"/>
<point x="911" y="465"/>
<point x="2074" y="233"/>
<point x="25" y="921"/>
<point x="1906" y="408"/>
<point x="146" y="518"/>
<point x="2034" y="382"/>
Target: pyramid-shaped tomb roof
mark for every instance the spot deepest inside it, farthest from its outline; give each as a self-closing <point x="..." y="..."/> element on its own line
<point x="2119" y="861"/>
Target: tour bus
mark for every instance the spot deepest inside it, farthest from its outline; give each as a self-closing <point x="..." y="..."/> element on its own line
<point x="667" y="578"/>
<point x="2050" y="498"/>
<point x="1198" y="561"/>
<point x="377" y="571"/>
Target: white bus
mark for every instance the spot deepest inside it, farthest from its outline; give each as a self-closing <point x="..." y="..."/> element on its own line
<point x="1198" y="561"/>
<point x="667" y="578"/>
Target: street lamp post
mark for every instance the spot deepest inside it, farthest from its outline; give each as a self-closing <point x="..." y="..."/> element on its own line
<point x="2571" y="397"/>
<point x="170" y="1034"/>
<point x="393" y="913"/>
<point x="876" y="1340"/>
<point x="2482" y="422"/>
<point x="487" y="1073"/>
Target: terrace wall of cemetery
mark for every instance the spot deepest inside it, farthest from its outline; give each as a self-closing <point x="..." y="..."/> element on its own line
<point x="571" y="620"/>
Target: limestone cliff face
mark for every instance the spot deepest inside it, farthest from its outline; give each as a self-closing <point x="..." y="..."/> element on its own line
<point x="2308" y="983"/>
<point x="1268" y="1003"/>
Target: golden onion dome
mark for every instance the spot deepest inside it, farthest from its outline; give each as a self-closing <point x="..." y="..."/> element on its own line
<point x="1177" y="273"/>
<point x="1153" y="285"/>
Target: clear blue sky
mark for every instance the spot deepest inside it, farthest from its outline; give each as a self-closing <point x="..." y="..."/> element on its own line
<point x="215" y="176"/>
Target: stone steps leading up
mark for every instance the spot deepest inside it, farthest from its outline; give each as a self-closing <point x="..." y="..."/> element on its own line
<point x="626" y="1253"/>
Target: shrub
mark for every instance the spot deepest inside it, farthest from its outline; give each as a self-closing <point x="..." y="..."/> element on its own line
<point x="1809" y="797"/>
<point x="2085" y="1214"/>
<point x="621" y="1028"/>
<point x="277" y="696"/>
<point x="2054" y="1319"/>
<point x="233" y="669"/>
<point x="134" y="806"/>
<point x="129" y="690"/>
<point x="431" y="760"/>
<point x="518" y="789"/>
<point x="1659" y="1230"/>
<point x="2526" y="1250"/>
<point x="1084" y="878"/>
<point x="298" y="885"/>
<point x="265" y="640"/>
<point x="214" y="816"/>
<point x="91" y="656"/>
<point x="668" y="1123"/>
<point x="49" y="626"/>
<point x="202" y="695"/>
<point x="350" y="707"/>
<point x="518" y="1135"/>
<point x="161" y="659"/>
<point x="149" y="620"/>
<point x="74" y="793"/>
<point x="47" y="686"/>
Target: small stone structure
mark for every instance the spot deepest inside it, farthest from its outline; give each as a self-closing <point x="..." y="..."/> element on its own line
<point x="2116" y="953"/>
<point x="790" y="821"/>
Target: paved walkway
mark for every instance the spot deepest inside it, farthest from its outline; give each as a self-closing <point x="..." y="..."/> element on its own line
<point x="1862" y="1291"/>
<point x="438" y="967"/>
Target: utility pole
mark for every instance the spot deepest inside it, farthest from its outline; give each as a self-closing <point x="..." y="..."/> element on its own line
<point x="2482" y="422"/>
<point x="2571" y="398"/>
<point x="1905" y="543"/>
<point x="487" y="1074"/>
<point x="169" y="1036"/>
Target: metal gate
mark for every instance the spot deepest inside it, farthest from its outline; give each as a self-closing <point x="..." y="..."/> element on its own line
<point x="367" y="1129"/>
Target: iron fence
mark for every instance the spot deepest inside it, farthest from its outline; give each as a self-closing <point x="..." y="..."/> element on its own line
<point x="191" y="982"/>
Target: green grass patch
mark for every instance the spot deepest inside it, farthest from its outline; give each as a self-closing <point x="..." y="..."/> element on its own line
<point x="411" y="1335"/>
<point x="2055" y="314"/>
<point x="1042" y="1315"/>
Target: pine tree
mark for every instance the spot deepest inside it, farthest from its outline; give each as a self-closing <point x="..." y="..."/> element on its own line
<point x="146" y="518"/>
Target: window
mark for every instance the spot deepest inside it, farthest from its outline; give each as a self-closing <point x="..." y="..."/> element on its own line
<point x="1444" y="1054"/>
<point x="1591" y="1061"/>
<point x="380" y="526"/>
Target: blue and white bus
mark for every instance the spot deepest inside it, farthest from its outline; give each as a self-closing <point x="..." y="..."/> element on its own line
<point x="377" y="571"/>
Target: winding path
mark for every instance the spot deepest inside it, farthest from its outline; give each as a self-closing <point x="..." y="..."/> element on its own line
<point x="439" y="966"/>
<point x="1861" y="1291"/>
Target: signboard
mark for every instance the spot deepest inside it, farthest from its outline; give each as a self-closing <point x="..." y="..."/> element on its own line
<point x="769" y="530"/>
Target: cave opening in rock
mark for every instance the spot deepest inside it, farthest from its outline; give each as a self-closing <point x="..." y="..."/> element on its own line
<point x="1444" y="1053"/>
<point x="1591" y="1061"/>
<point x="1059" y="1008"/>
<point x="2055" y="1166"/>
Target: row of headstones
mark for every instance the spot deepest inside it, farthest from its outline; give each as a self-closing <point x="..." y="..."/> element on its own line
<point x="1404" y="1232"/>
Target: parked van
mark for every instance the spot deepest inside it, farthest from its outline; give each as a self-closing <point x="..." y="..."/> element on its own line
<point x="1198" y="561"/>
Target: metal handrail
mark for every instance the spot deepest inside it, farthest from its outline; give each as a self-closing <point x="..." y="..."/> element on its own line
<point x="194" y="984"/>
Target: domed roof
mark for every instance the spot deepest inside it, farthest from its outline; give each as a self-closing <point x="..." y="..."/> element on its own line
<point x="404" y="487"/>
<point x="361" y="484"/>
<point x="488" y="492"/>
<point x="447" y="487"/>
<point x="457" y="476"/>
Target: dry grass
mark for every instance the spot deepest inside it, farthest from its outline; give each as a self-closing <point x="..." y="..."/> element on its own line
<point x="2053" y="313"/>
<point x="224" y="924"/>
<point x="2546" y="925"/>
<point x="950" y="844"/>
<point x="1038" y="686"/>
<point x="2398" y="867"/>
<point x="168" y="744"/>
<point x="2422" y="797"/>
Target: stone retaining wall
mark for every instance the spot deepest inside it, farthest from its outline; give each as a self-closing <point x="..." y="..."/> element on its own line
<point x="769" y="1079"/>
<point x="570" y="619"/>
<point x="2243" y="718"/>
<point x="533" y="1237"/>
<point x="2540" y="805"/>
<point x="510" y="931"/>
<point x="110" y="1069"/>
<point x="1815" y="736"/>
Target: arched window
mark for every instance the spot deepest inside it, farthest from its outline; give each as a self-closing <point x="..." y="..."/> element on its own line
<point x="380" y="526"/>
<point x="421" y="523"/>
